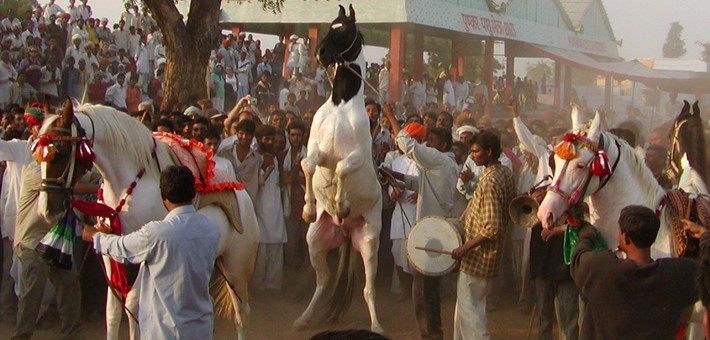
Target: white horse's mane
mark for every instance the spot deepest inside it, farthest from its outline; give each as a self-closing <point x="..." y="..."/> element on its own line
<point x="649" y="183"/>
<point x="124" y="134"/>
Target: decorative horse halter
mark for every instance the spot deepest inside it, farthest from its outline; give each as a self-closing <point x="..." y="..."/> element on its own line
<point x="44" y="149"/>
<point x="598" y="165"/>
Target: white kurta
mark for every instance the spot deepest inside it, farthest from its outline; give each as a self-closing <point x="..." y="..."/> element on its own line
<point x="17" y="154"/>
<point x="7" y="76"/>
<point x="178" y="255"/>
<point x="405" y="213"/>
<point x="269" y="211"/>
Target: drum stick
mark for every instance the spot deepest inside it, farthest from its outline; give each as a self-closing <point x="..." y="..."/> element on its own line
<point x="434" y="250"/>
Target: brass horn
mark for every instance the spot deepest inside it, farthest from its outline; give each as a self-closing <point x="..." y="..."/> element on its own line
<point x="523" y="211"/>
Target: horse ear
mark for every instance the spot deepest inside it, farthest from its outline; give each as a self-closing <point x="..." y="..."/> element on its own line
<point x="67" y="114"/>
<point x="352" y="13"/>
<point x="341" y="13"/>
<point x="595" y="129"/>
<point x="696" y="108"/>
<point x="686" y="108"/>
<point x="577" y="119"/>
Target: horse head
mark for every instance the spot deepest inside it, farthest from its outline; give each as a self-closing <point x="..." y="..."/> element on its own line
<point x="65" y="155"/>
<point x="340" y="44"/>
<point x="578" y="158"/>
<point x="687" y="137"/>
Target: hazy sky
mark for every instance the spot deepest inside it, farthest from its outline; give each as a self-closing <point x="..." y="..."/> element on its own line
<point x="642" y="24"/>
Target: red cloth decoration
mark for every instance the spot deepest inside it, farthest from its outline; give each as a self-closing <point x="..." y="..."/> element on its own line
<point x="570" y="137"/>
<point x="118" y="278"/>
<point x="600" y="165"/>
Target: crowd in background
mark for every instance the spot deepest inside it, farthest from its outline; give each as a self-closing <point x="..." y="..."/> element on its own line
<point x="257" y="118"/>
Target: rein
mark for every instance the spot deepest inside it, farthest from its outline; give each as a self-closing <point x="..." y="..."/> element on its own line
<point x="341" y="61"/>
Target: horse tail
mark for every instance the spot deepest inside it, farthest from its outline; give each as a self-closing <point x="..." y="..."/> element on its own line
<point x="343" y="285"/>
<point x="221" y="293"/>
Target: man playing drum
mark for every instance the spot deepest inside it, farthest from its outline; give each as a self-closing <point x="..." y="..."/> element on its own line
<point x="435" y="186"/>
<point x="486" y="222"/>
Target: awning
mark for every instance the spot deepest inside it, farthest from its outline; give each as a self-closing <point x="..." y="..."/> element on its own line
<point x="671" y="81"/>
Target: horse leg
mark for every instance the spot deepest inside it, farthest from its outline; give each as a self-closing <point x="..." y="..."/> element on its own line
<point x="237" y="266"/>
<point x="318" y="251"/>
<point x="113" y="308"/>
<point x="308" y="164"/>
<point x="353" y="161"/>
<point x="132" y="305"/>
<point x="367" y="241"/>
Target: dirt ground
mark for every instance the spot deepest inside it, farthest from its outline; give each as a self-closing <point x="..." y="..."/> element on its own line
<point x="272" y="316"/>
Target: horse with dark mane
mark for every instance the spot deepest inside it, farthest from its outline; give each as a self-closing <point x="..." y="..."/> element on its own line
<point x="687" y="138"/>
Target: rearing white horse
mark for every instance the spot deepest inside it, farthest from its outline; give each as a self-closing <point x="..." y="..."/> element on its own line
<point x="343" y="197"/>
<point x="124" y="148"/>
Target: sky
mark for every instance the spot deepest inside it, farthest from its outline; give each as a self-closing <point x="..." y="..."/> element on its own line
<point x="642" y="24"/>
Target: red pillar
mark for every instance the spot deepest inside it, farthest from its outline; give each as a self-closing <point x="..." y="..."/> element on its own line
<point x="418" y="65"/>
<point x="237" y="28"/>
<point x="488" y="67"/>
<point x="287" y="30"/>
<point x="397" y="38"/>
<point x="457" y="58"/>
<point x="312" y="42"/>
<point x="556" y="100"/>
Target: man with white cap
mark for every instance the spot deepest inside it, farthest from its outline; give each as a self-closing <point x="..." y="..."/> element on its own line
<point x="103" y="32"/>
<point x="293" y="54"/>
<point x="75" y="50"/>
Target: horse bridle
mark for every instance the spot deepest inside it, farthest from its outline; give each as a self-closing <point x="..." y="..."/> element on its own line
<point x="77" y="136"/>
<point x="340" y="56"/>
<point x="575" y="196"/>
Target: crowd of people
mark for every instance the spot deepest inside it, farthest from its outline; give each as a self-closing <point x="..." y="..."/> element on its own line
<point x="453" y="157"/>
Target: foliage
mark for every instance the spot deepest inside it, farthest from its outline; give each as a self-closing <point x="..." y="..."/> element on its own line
<point x="20" y="6"/>
<point x="268" y="5"/>
<point x="539" y="70"/>
<point x="706" y="50"/>
<point x="675" y="45"/>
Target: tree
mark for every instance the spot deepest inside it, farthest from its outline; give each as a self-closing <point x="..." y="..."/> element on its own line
<point x="188" y="44"/>
<point x="674" y="46"/>
<point x="706" y="50"/>
<point x="538" y="71"/>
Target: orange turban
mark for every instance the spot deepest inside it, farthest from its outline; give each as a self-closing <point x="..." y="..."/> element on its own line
<point x="415" y="130"/>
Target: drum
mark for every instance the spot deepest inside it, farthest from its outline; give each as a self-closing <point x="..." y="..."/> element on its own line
<point x="430" y="242"/>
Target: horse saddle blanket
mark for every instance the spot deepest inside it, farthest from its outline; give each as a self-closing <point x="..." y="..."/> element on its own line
<point x="683" y="206"/>
<point x="215" y="187"/>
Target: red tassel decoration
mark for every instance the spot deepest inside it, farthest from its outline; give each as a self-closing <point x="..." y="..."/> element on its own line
<point x="600" y="165"/>
<point x="84" y="152"/>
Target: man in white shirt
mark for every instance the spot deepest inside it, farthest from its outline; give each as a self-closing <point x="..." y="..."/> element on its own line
<point x="116" y="94"/>
<point x="52" y="9"/>
<point x="178" y="255"/>
<point x="120" y="36"/>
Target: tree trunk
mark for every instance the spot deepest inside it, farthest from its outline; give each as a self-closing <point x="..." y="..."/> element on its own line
<point x="187" y="48"/>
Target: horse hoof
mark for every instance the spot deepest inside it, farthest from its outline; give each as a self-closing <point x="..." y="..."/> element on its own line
<point x="343" y="213"/>
<point x="377" y="329"/>
<point x="300" y="324"/>
<point x="308" y="214"/>
<point x="308" y="217"/>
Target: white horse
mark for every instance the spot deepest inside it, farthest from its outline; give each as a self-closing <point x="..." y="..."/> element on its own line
<point x="629" y="183"/>
<point x="123" y="147"/>
<point x="340" y="177"/>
